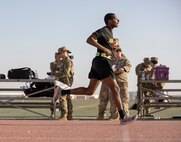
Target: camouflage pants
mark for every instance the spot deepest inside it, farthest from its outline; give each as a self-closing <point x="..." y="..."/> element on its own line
<point x="124" y="94"/>
<point x="66" y="106"/>
<point x="105" y="96"/>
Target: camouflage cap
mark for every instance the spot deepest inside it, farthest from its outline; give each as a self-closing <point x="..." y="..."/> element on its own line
<point x="146" y="60"/>
<point x="63" y="49"/>
<point x="154" y="59"/>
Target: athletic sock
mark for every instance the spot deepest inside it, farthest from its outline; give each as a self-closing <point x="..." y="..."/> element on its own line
<point x="122" y="114"/>
<point x="64" y="92"/>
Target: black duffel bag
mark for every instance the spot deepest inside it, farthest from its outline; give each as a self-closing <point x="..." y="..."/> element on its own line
<point x="48" y="93"/>
<point x="43" y="85"/>
<point x="40" y="86"/>
<point x="21" y="73"/>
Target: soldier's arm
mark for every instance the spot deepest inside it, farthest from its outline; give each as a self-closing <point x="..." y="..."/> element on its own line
<point x="127" y="66"/>
<point x="67" y="68"/>
<point x="52" y="68"/>
<point x="119" y="71"/>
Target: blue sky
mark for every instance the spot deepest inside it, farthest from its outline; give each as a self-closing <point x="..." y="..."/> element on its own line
<point x="31" y="31"/>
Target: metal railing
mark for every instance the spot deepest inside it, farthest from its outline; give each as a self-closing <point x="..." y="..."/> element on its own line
<point x="26" y="102"/>
<point x="174" y="100"/>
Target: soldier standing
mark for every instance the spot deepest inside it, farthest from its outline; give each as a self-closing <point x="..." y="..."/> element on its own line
<point x="143" y="71"/>
<point x="121" y="69"/>
<point x="65" y="75"/>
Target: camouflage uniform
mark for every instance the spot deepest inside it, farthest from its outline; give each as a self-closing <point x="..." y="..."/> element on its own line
<point x="63" y="71"/>
<point x="122" y="80"/>
<point x="104" y="97"/>
<point x="53" y="68"/>
<point x="141" y="68"/>
<point x="66" y="76"/>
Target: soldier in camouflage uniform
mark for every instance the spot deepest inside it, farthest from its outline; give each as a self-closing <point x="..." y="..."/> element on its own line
<point x="121" y="69"/>
<point x="66" y="73"/>
<point x="141" y="68"/>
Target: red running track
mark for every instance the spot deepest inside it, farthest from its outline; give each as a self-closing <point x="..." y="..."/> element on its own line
<point x="89" y="131"/>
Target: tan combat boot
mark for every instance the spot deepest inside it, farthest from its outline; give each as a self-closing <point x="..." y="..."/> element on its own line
<point x="114" y="118"/>
<point x="63" y="117"/>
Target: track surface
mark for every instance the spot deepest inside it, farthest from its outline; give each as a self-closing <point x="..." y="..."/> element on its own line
<point x="89" y="131"/>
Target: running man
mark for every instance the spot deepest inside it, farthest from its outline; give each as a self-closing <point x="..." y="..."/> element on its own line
<point x="101" y="69"/>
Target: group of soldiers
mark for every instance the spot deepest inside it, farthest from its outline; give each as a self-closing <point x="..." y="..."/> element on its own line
<point x="146" y="71"/>
<point x="62" y="69"/>
<point x="121" y="67"/>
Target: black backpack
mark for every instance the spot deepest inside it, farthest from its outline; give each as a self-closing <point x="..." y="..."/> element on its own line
<point x="21" y="73"/>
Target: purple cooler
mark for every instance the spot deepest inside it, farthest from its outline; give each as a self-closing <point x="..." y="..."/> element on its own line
<point x="161" y="73"/>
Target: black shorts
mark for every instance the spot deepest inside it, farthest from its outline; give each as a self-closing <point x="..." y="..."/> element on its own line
<point x="101" y="68"/>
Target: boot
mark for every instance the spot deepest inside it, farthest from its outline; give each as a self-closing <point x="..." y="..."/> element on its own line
<point x="69" y="117"/>
<point x="63" y="118"/>
<point x="100" y="116"/>
<point x="114" y="117"/>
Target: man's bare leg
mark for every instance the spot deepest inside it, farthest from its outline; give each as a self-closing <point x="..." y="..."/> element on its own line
<point x="56" y="95"/>
<point x="93" y="84"/>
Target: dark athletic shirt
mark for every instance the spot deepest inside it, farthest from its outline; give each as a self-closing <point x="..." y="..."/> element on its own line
<point x="104" y="37"/>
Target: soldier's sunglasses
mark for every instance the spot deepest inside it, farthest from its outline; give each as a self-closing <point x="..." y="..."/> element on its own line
<point x="118" y="50"/>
